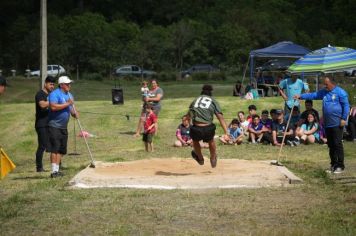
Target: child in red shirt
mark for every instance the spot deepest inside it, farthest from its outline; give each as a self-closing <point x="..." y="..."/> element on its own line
<point x="149" y="127"/>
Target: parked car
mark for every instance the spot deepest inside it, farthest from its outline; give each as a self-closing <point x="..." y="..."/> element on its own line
<point x="350" y="72"/>
<point x="207" y="68"/>
<point x="132" y="70"/>
<point x="279" y="64"/>
<point x="52" y="70"/>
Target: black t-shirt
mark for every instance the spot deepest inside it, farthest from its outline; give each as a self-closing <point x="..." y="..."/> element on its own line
<point x="280" y="128"/>
<point x="41" y="113"/>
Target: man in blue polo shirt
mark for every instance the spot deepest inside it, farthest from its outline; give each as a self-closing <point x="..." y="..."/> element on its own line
<point x="335" y="111"/>
<point x="61" y="107"/>
<point x="290" y="87"/>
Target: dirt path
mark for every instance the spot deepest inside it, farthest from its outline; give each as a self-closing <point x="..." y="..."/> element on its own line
<point x="176" y="173"/>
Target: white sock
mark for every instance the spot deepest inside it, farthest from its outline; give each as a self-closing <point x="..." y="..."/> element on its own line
<point x="54" y="167"/>
<point x="297" y="137"/>
<point x="57" y="168"/>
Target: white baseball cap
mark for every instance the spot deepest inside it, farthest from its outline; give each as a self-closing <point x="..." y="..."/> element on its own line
<point x="64" y="80"/>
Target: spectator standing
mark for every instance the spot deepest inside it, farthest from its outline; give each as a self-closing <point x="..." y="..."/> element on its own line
<point x="154" y="97"/>
<point x="149" y="127"/>
<point x="335" y="111"/>
<point x="3" y="85"/>
<point x="61" y="107"/>
<point x="290" y="87"/>
<point x="42" y="110"/>
<point x="351" y="126"/>
<point x="202" y="111"/>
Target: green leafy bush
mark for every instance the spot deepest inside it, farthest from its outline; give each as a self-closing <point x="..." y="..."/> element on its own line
<point x="209" y="76"/>
<point x="93" y="76"/>
<point x="165" y="76"/>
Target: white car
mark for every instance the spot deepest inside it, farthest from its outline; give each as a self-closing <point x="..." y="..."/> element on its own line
<point x="52" y="70"/>
<point x="350" y="72"/>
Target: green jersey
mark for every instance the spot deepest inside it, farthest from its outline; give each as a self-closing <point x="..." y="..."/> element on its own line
<point x="203" y="109"/>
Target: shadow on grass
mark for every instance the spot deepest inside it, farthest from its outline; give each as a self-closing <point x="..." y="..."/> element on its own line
<point x="30" y="177"/>
<point x="127" y="133"/>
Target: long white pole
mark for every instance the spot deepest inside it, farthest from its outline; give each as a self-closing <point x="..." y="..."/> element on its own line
<point x="43" y="64"/>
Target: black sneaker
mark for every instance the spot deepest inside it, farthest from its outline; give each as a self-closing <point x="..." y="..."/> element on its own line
<point x="290" y="143"/>
<point x="330" y="170"/>
<point x="195" y="157"/>
<point x="338" y="170"/>
<point x="54" y="175"/>
<point x="40" y="170"/>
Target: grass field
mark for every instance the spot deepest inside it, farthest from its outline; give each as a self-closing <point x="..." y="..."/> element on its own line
<point x="34" y="204"/>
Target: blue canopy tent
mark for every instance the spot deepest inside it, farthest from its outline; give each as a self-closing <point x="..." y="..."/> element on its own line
<point x="284" y="49"/>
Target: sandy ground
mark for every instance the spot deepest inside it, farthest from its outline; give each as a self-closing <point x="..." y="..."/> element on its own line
<point x="176" y="173"/>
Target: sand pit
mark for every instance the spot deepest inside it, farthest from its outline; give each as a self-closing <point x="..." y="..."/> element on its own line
<point x="176" y="173"/>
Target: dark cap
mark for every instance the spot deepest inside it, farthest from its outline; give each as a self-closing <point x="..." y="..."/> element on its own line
<point x="3" y="81"/>
<point x="279" y="111"/>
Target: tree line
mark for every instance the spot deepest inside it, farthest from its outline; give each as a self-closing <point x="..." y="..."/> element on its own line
<point x="167" y="35"/>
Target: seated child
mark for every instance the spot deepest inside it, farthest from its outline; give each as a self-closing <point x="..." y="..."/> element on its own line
<point x="267" y="128"/>
<point x="309" y="131"/>
<point x="279" y="127"/>
<point x="255" y="129"/>
<point x="243" y="122"/>
<point x="251" y="112"/>
<point x="235" y="134"/>
<point x="183" y="133"/>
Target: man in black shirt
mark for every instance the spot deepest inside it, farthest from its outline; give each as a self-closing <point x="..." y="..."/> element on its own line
<point x="42" y="119"/>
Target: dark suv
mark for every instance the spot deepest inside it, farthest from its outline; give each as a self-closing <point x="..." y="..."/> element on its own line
<point x="205" y="68"/>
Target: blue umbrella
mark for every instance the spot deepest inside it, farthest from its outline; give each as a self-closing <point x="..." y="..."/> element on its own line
<point x="328" y="59"/>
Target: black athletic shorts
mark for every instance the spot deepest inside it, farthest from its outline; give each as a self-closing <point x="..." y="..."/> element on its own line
<point x="147" y="138"/>
<point x="205" y="133"/>
<point x="58" y="139"/>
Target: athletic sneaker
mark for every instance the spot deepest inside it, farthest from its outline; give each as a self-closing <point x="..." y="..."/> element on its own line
<point x="338" y="170"/>
<point x="330" y="170"/>
<point x="56" y="174"/>
<point x="290" y="143"/>
<point x="195" y="157"/>
<point x="296" y="142"/>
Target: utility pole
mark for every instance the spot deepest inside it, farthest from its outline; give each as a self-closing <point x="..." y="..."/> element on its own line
<point x="43" y="32"/>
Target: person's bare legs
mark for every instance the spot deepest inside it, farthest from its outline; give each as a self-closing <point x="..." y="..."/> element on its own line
<point x="197" y="150"/>
<point x="213" y="156"/>
<point x="139" y="126"/>
<point x="151" y="146"/>
<point x="146" y="146"/>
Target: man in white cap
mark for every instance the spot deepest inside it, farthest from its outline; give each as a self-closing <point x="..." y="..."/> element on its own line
<point x="61" y="107"/>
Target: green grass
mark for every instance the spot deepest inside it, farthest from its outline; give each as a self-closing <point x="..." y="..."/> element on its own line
<point x="32" y="203"/>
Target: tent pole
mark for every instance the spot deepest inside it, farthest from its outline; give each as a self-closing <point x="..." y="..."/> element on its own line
<point x="251" y="68"/>
<point x="243" y="77"/>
